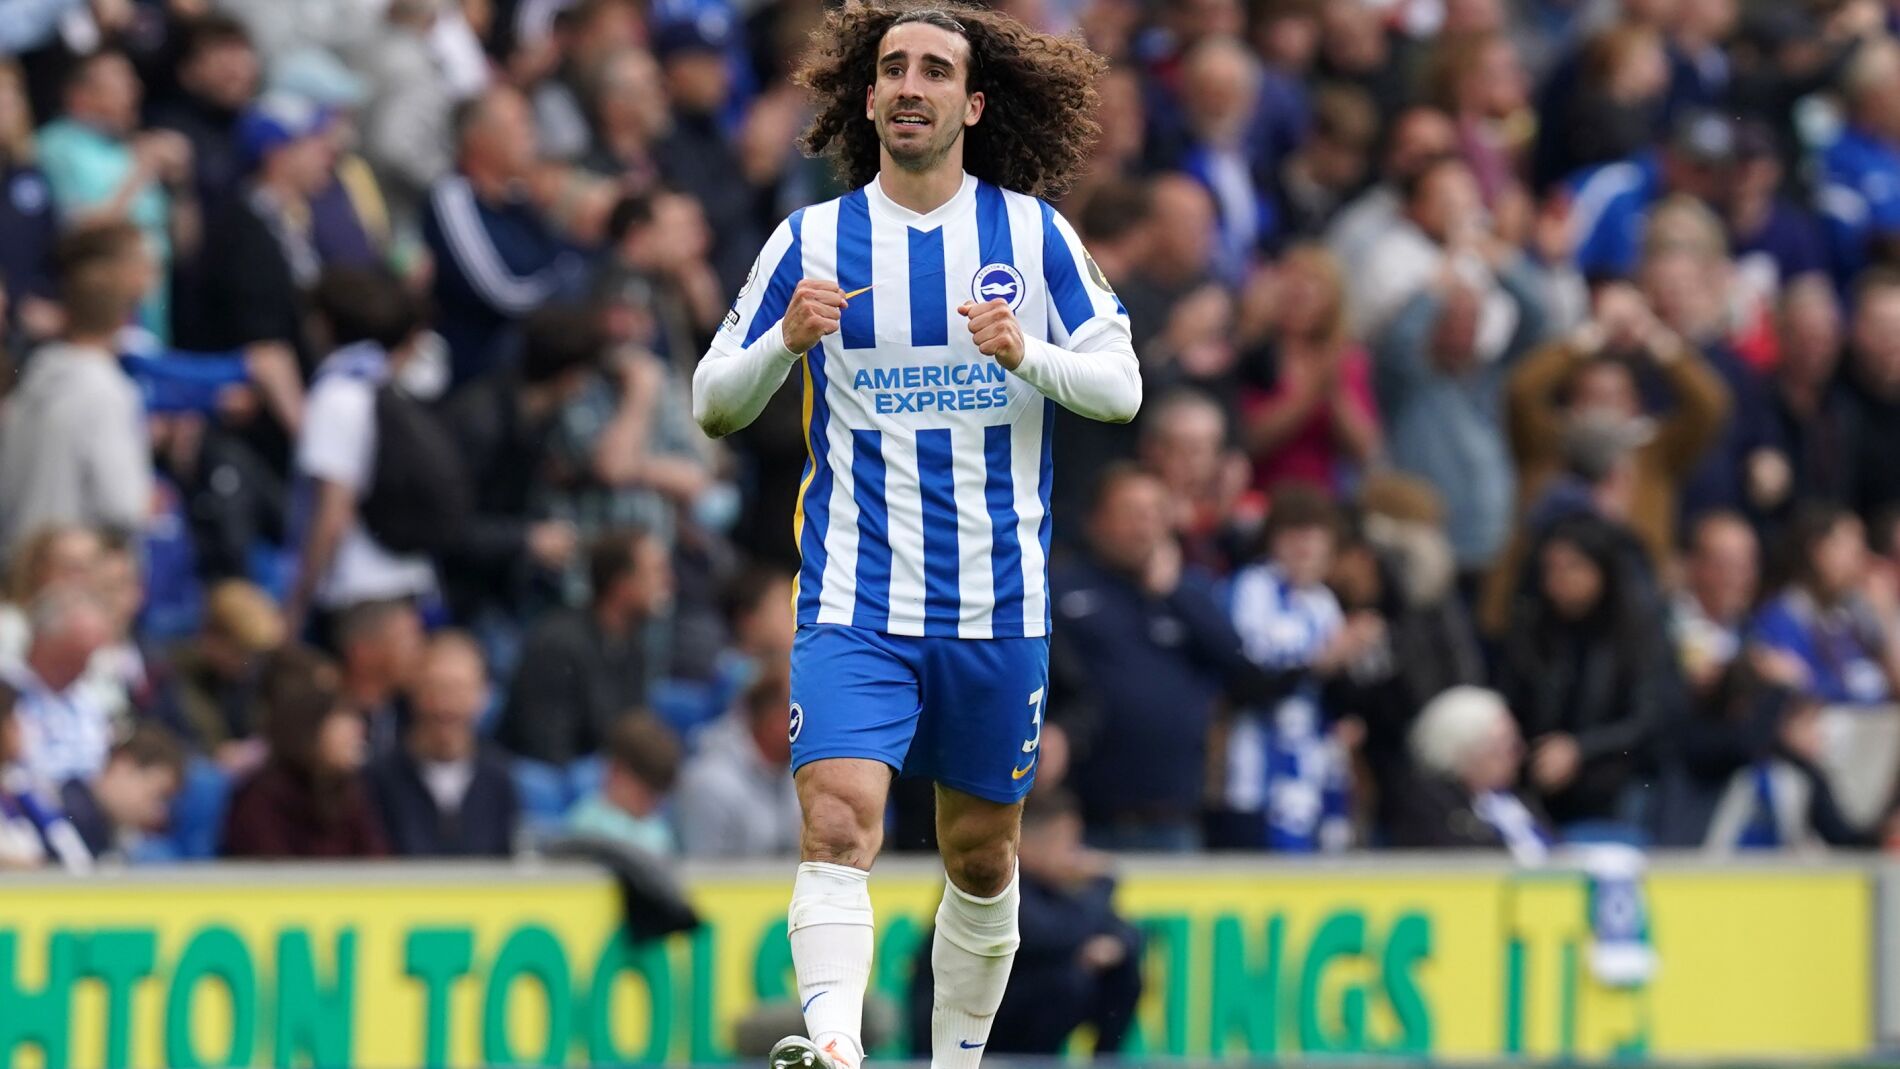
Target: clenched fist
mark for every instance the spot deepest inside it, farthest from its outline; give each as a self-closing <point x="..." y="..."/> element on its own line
<point x="816" y="309"/>
<point x="994" y="329"/>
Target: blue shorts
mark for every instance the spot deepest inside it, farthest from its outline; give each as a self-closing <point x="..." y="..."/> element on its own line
<point x="966" y="713"/>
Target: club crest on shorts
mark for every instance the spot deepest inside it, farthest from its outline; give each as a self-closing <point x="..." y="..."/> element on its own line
<point x="998" y="280"/>
<point x="797" y="722"/>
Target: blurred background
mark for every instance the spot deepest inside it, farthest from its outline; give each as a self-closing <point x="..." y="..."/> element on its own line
<point x="1522" y="374"/>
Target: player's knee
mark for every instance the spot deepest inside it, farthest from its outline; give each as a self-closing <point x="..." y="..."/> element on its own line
<point x="983" y="870"/>
<point x="838" y="830"/>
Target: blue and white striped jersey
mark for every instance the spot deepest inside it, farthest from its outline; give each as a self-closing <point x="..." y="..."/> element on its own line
<point x="924" y="508"/>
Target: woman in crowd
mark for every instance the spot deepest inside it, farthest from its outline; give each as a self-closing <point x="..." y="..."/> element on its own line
<point x="309" y="799"/>
<point x="1316" y="422"/>
<point x="1587" y="673"/>
<point x="1823" y="618"/>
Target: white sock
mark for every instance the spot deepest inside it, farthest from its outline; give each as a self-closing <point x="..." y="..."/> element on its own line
<point x="970" y="956"/>
<point x="830" y="927"/>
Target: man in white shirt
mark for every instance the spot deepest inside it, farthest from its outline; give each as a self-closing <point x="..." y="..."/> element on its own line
<point x="376" y="326"/>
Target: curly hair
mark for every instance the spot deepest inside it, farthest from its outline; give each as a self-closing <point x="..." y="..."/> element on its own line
<point x="1039" y="94"/>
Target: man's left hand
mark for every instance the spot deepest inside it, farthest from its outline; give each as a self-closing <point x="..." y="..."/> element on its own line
<point x="995" y="330"/>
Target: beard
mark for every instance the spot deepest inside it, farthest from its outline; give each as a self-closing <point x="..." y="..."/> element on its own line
<point x="914" y="153"/>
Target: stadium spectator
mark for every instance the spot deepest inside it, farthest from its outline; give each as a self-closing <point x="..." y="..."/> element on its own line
<point x="215" y="675"/>
<point x="1149" y="636"/>
<point x="73" y="443"/>
<point x="349" y="216"/>
<point x="504" y="424"/>
<point x="1873" y="378"/>
<point x="101" y="167"/>
<point x="1710" y="615"/>
<point x="218" y="76"/>
<point x="629" y="112"/>
<point x="642" y="764"/>
<point x="1685" y="277"/>
<point x="1815" y="417"/>
<point x="1416" y="138"/>
<point x="33" y="831"/>
<point x="1585" y="669"/>
<point x="1080" y="960"/>
<point x="657" y="269"/>
<point x="380" y="647"/>
<point x="1444" y="405"/>
<point x="497" y="256"/>
<point x="129" y="800"/>
<point x="1287" y="784"/>
<point x="1395" y="561"/>
<point x="309" y="800"/>
<point x="1444" y="230"/>
<point x="29" y="220"/>
<point x="1318" y="422"/>
<point x="735" y="796"/>
<point x="1463" y="791"/>
<point x="260" y="257"/>
<point x="1594" y="375"/>
<point x="1821" y="616"/>
<point x="584" y="38"/>
<point x="445" y="792"/>
<point x="1859" y="201"/>
<point x="582" y="668"/>
<point x="1699" y="161"/>
<point x="66" y="729"/>
<point x="627" y="449"/>
<point x="695" y="156"/>
<point x="60" y="555"/>
<point x="376" y="327"/>
<point x="1184" y="443"/>
<point x="1330" y="166"/>
<point x="1228" y="123"/>
<point x="1604" y="102"/>
<point x="406" y="121"/>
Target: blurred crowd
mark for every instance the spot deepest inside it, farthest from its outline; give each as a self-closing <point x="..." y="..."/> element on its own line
<point x="1520" y="462"/>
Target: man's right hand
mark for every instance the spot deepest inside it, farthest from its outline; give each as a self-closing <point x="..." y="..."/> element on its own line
<point x="817" y="309"/>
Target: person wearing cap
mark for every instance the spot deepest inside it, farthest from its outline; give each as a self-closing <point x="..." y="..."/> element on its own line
<point x="260" y="258"/>
<point x="697" y="156"/>
<point x="349" y="222"/>
<point x="1610" y="204"/>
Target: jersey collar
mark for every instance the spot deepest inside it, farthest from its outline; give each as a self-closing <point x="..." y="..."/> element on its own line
<point x="897" y="213"/>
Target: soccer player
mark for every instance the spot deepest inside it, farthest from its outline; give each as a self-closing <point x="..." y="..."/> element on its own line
<point x="937" y="312"/>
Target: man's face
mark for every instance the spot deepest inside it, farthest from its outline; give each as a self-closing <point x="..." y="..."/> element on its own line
<point x="1422" y="135"/>
<point x="920" y="100"/>
<point x="223" y="74"/>
<point x="1723" y="570"/>
<point x="698" y="81"/>
<point x="1606" y="388"/>
<point x="505" y="135"/>
<point x="1130" y="524"/>
<point x="1186" y="448"/>
<point x="109" y="96"/>
<point x="451" y="689"/>
<point x="306" y="162"/>
<point x="1448" y="201"/>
